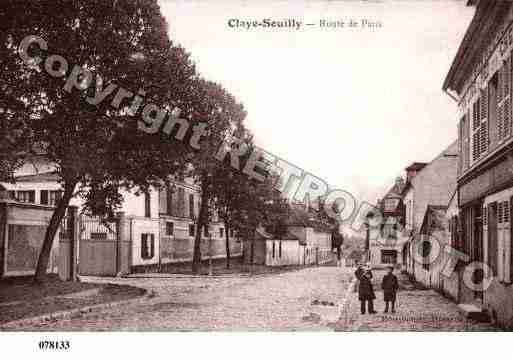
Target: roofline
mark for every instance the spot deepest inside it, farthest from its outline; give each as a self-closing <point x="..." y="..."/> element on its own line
<point x="463" y="47"/>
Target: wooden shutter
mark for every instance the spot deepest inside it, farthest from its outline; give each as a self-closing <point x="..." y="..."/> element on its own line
<point x="476" y="124"/>
<point x="466" y="140"/>
<point x="504" y="101"/>
<point x="492" y="237"/>
<point x="507" y="98"/>
<point x="483" y="119"/>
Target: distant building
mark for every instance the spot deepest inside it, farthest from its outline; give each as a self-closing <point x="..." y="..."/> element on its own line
<point x="307" y="241"/>
<point x="385" y="242"/>
<point x="428" y="193"/>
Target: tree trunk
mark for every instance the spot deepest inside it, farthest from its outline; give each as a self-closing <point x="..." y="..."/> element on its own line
<point x="196" y="257"/>
<point x="227" y="229"/>
<point x="51" y="230"/>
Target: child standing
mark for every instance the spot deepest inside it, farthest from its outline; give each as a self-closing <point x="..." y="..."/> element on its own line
<point x="389" y="286"/>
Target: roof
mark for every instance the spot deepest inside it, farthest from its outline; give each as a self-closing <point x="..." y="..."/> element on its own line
<point x="299" y="216"/>
<point x="484" y="24"/>
<point x="416" y="166"/>
<point x="39" y="177"/>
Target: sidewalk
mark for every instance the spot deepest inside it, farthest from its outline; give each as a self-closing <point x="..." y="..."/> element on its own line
<point x="20" y="300"/>
<point x="416" y="310"/>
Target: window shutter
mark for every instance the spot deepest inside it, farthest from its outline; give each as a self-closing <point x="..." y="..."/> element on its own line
<point x="492" y="237"/>
<point x="483" y="108"/>
<point x="507" y="97"/>
<point x="462" y="139"/>
<point x="466" y="140"/>
<point x="475" y="130"/>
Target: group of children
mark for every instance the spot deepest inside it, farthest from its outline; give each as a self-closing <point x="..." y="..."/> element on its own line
<point x="366" y="294"/>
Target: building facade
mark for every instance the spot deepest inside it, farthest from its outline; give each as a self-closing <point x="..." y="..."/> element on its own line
<point x="386" y="242"/>
<point x="161" y="224"/>
<point x="480" y="79"/>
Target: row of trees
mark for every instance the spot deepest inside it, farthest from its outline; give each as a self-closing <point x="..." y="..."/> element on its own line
<point x="98" y="148"/>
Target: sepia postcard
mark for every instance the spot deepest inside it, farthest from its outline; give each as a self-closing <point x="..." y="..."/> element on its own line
<point x="237" y="166"/>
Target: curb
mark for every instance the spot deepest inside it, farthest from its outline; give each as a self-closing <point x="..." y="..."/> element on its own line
<point x="66" y="314"/>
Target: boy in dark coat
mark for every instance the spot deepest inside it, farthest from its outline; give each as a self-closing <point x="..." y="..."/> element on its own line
<point x="365" y="290"/>
<point x="389" y="286"/>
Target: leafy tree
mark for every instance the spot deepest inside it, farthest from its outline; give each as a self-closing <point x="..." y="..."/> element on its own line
<point x="224" y="116"/>
<point x="97" y="146"/>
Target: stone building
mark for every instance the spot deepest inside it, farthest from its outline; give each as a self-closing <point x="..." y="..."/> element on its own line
<point x="307" y="241"/>
<point x="160" y="223"/>
<point x="480" y="80"/>
<point x="386" y="242"/>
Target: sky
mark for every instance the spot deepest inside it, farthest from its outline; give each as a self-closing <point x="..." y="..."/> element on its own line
<point x="353" y="106"/>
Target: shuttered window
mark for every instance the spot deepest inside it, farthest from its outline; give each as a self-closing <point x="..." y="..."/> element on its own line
<point x="504" y="101"/>
<point x="480" y="136"/>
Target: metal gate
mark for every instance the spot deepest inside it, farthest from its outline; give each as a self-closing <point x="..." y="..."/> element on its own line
<point x="97" y="250"/>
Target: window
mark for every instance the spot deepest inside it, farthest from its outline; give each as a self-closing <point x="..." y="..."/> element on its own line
<point x="147" y="205"/>
<point x="503" y="77"/>
<point x="191" y="230"/>
<point x="221" y="232"/>
<point x="44" y="197"/>
<point x="464" y="143"/>
<point x="279" y="250"/>
<point x="170" y="228"/>
<point x="169" y="200"/>
<point x="191" y="205"/>
<point x="274" y="249"/>
<point x="391" y="204"/>
<point x="389" y="256"/>
<point x="480" y="126"/>
<point x="26" y="196"/>
<point x="147" y="245"/>
<point x="232" y="233"/>
<point x="181" y="203"/>
<point x="54" y="197"/>
<point x="205" y="231"/>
